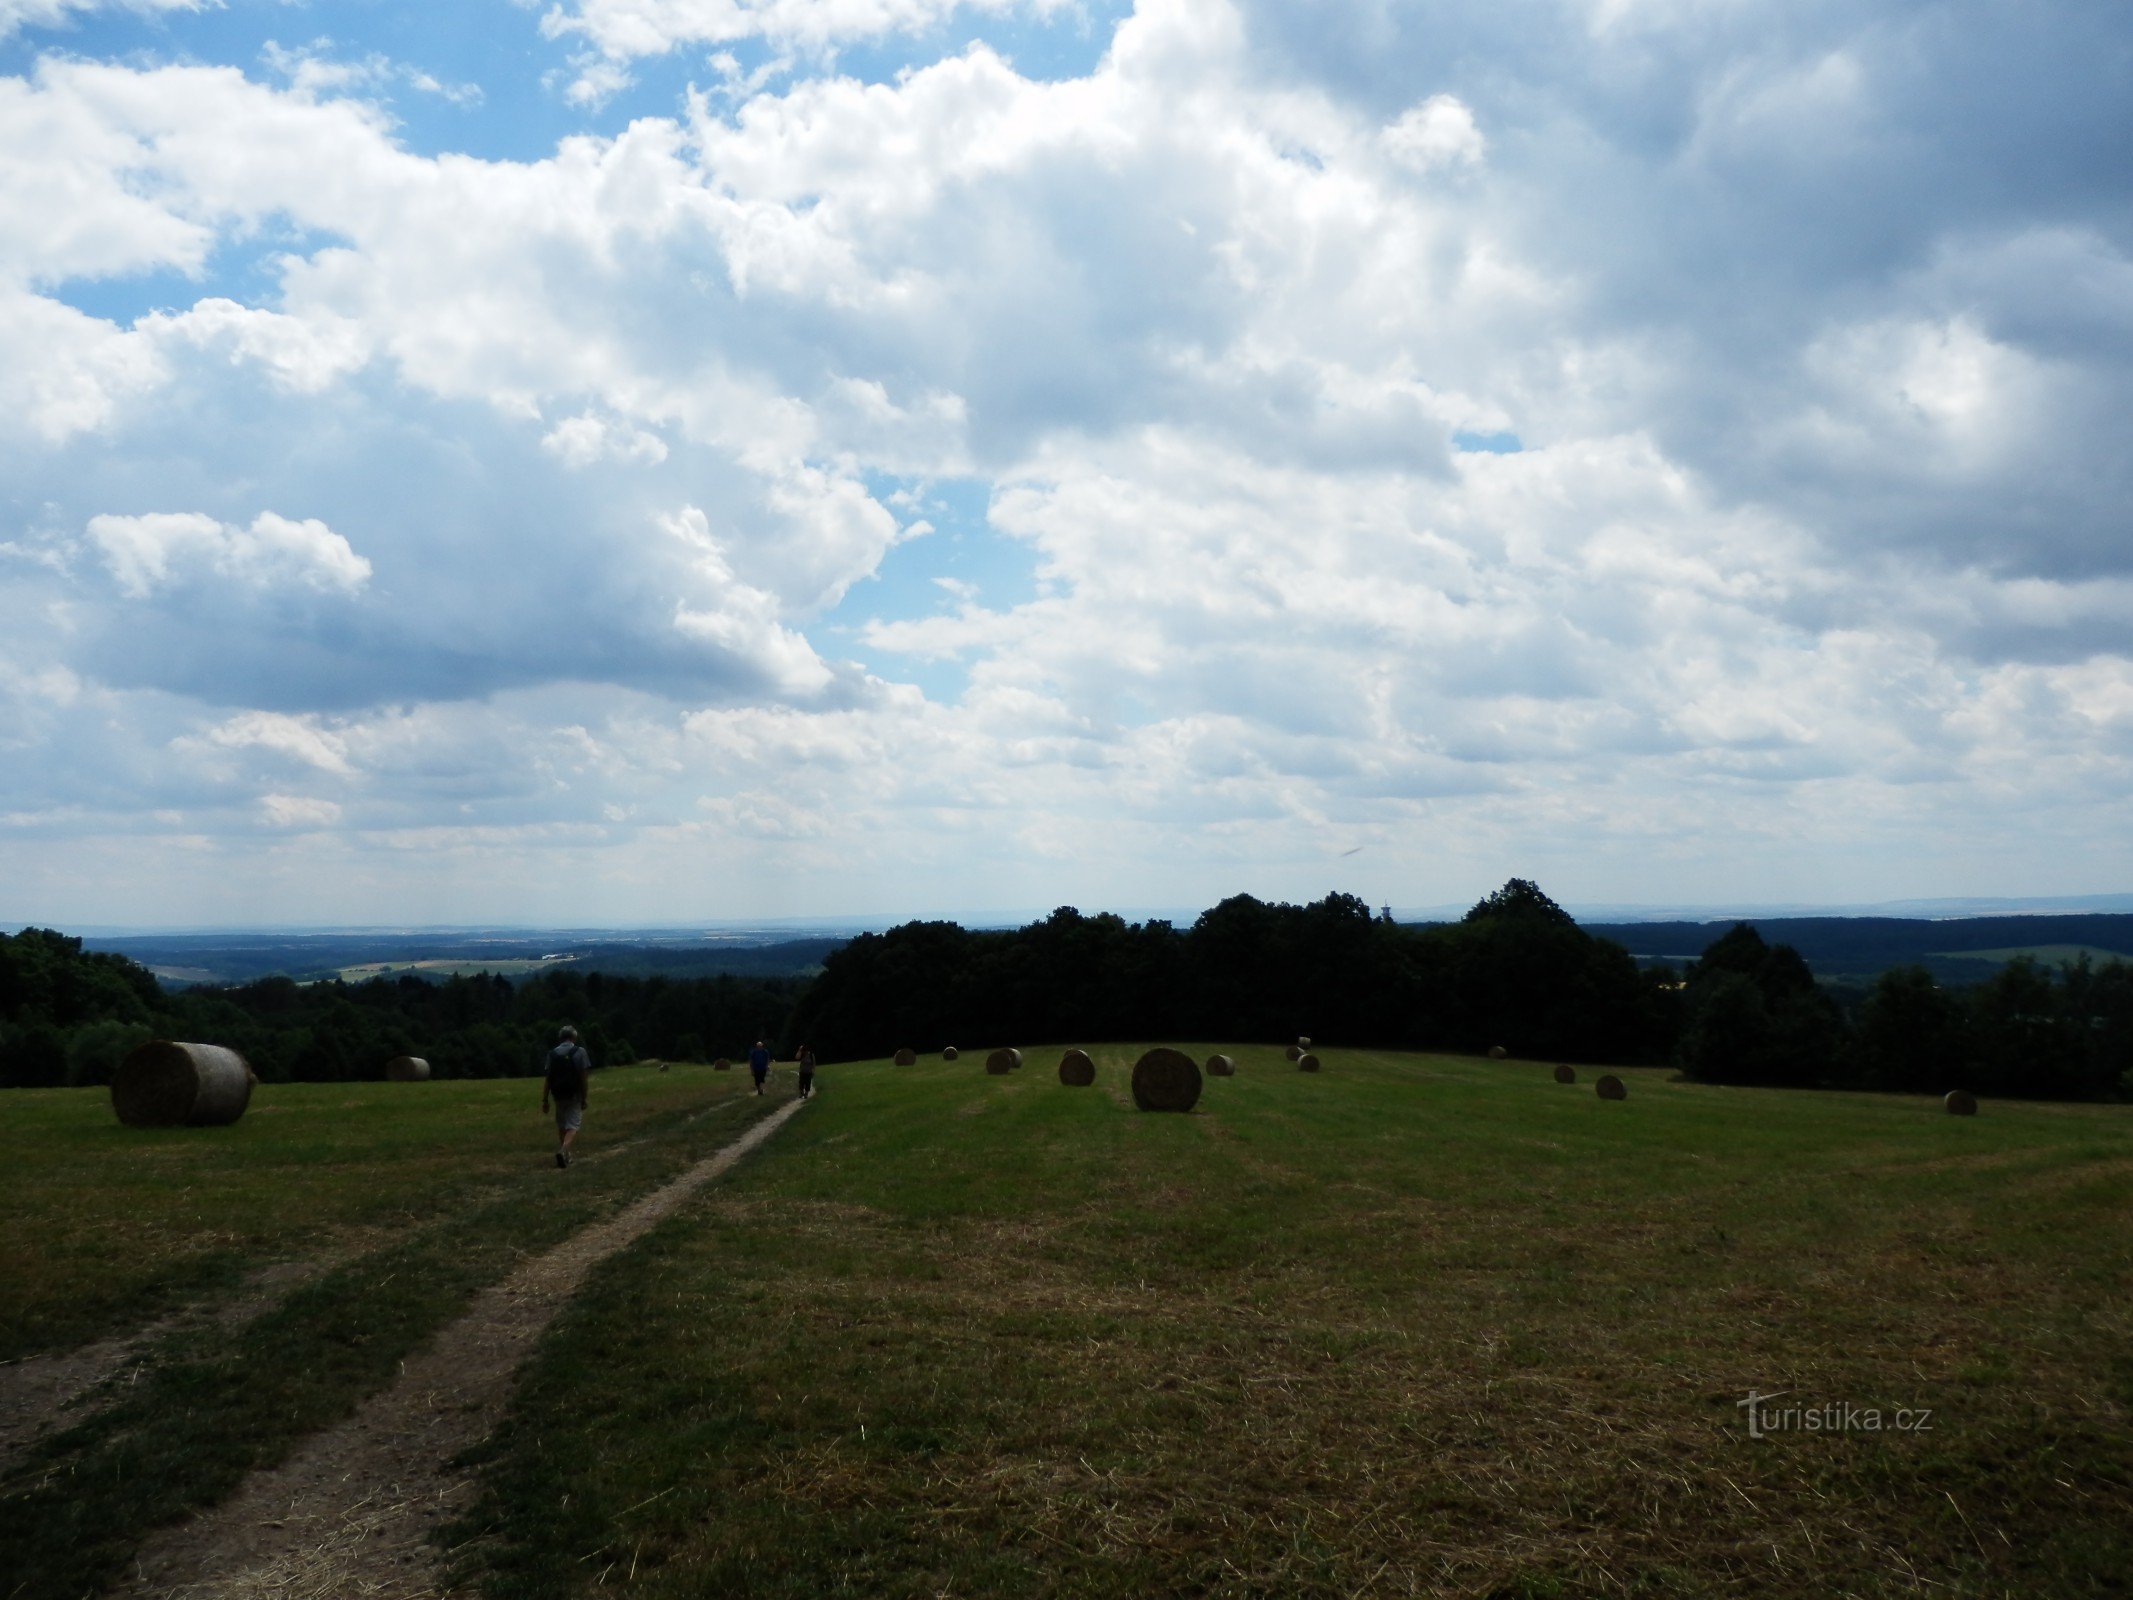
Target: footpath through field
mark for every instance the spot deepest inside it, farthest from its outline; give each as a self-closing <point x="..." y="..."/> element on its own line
<point x="350" y="1513"/>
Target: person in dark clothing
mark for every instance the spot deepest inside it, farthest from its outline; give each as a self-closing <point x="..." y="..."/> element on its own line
<point x="807" y="1072"/>
<point x="566" y="1082"/>
<point x="759" y="1064"/>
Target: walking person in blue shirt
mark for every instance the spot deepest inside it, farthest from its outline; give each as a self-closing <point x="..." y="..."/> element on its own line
<point x="759" y="1064"/>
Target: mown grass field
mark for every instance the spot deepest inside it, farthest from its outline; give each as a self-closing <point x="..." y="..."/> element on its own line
<point x="404" y="1200"/>
<point x="1415" y="1325"/>
<point x="107" y="1225"/>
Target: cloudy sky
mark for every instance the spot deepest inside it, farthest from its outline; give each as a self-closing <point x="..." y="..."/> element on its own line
<point x="612" y="461"/>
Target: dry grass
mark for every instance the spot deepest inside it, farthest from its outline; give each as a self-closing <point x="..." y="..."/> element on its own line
<point x="1416" y="1330"/>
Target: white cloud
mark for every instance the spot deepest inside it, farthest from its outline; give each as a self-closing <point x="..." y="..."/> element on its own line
<point x="145" y="553"/>
<point x="301" y="738"/>
<point x="18" y="14"/>
<point x="298" y="811"/>
<point x="1815" y="544"/>
<point x="1440" y="132"/>
<point x="625" y="29"/>
<point x="738" y="619"/>
<point x="582" y="440"/>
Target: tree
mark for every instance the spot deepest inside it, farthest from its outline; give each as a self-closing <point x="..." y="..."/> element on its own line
<point x="1753" y="1013"/>
<point x="1519" y="900"/>
<point x="1910" y="1034"/>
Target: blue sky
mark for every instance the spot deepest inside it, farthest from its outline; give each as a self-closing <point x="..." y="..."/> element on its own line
<point x="636" y="461"/>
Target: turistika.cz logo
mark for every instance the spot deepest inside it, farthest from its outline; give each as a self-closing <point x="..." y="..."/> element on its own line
<point x="1828" y="1416"/>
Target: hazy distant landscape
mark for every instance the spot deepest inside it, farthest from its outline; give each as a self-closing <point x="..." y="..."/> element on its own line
<point x="1953" y="949"/>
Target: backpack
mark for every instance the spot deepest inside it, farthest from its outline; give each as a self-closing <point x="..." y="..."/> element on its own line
<point x="566" y="1072"/>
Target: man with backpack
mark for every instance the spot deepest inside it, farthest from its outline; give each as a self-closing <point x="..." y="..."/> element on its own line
<point x="566" y="1081"/>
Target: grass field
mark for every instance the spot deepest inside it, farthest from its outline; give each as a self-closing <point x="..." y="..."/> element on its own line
<point x="1413" y="1325"/>
<point x="108" y="1225"/>
<point x="406" y="1199"/>
<point x="440" y="967"/>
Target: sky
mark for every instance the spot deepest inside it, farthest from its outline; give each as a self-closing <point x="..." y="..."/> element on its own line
<point x="631" y="461"/>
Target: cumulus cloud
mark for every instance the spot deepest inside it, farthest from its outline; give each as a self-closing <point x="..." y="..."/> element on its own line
<point x="19" y="14"/>
<point x="1439" y="132"/>
<point x="624" y="29"/>
<point x="146" y="553"/>
<point x="1680" y="431"/>
<point x="582" y="440"/>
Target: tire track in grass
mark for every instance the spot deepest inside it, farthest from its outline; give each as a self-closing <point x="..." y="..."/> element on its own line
<point x="350" y="1513"/>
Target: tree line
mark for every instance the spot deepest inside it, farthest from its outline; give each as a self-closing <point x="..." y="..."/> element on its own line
<point x="1515" y="971"/>
<point x="69" y="1016"/>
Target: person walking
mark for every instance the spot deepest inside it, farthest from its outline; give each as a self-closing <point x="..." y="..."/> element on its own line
<point x="566" y="1082"/>
<point x="759" y="1064"/>
<point x="807" y="1072"/>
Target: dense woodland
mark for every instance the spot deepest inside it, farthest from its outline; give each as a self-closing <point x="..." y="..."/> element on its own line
<point x="1516" y="971"/>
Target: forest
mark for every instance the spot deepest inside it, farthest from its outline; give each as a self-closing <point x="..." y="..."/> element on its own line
<point x="1516" y="971"/>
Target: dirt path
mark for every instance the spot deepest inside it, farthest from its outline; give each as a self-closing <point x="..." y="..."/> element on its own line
<point x="349" y="1514"/>
<point x="42" y="1393"/>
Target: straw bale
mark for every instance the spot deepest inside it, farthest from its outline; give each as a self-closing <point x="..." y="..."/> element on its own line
<point x="721" y="1065"/>
<point x="1307" y="1062"/>
<point x="907" y="1057"/>
<point x="1076" y="1069"/>
<point x="1296" y="1052"/>
<point x="168" y="1085"/>
<point x="1960" y="1103"/>
<point x="1303" y="1041"/>
<point x="1001" y="1062"/>
<point x="406" y="1069"/>
<point x="1497" y="1052"/>
<point x="1166" y="1080"/>
<point x="1221" y="1067"/>
<point x="949" y="1053"/>
<point x="1610" y="1087"/>
<point x="1566" y="1074"/>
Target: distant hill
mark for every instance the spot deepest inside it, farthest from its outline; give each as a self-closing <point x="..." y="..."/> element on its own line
<point x="181" y="960"/>
<point x="1954" y="950"/>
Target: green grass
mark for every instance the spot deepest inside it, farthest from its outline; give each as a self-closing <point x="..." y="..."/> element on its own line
<point x="109" y="1225"/>
<point x="1413" y="1325"/>
<point x="448" y="1185"/>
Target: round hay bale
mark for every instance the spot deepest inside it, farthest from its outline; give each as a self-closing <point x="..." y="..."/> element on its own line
<point x="907" y="1057"/>
<point x="1076" y="1069"/>
<point x="167" y="1085"/>
<point x="666" y="1066"/>
<point x="1959" y="1103"/>
<point x="1566" y="1074"/>
<point x="1303" y="1041"/>
<point x="949" y="1053"/>
<point x="1015" y="1055"/>
<point x="1497" y="1052"/>
<point x="406" y="1069"/>
<point x="1610" y="1087"/>
<point x="1001" y="1062"/>
<point x="1296" y="1052"/>
<point x="1221" y="1067"/>
<point x="1166" y="1080"/>
<point x="1307" y="1062"/>
<point x="721" y="1065"/>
